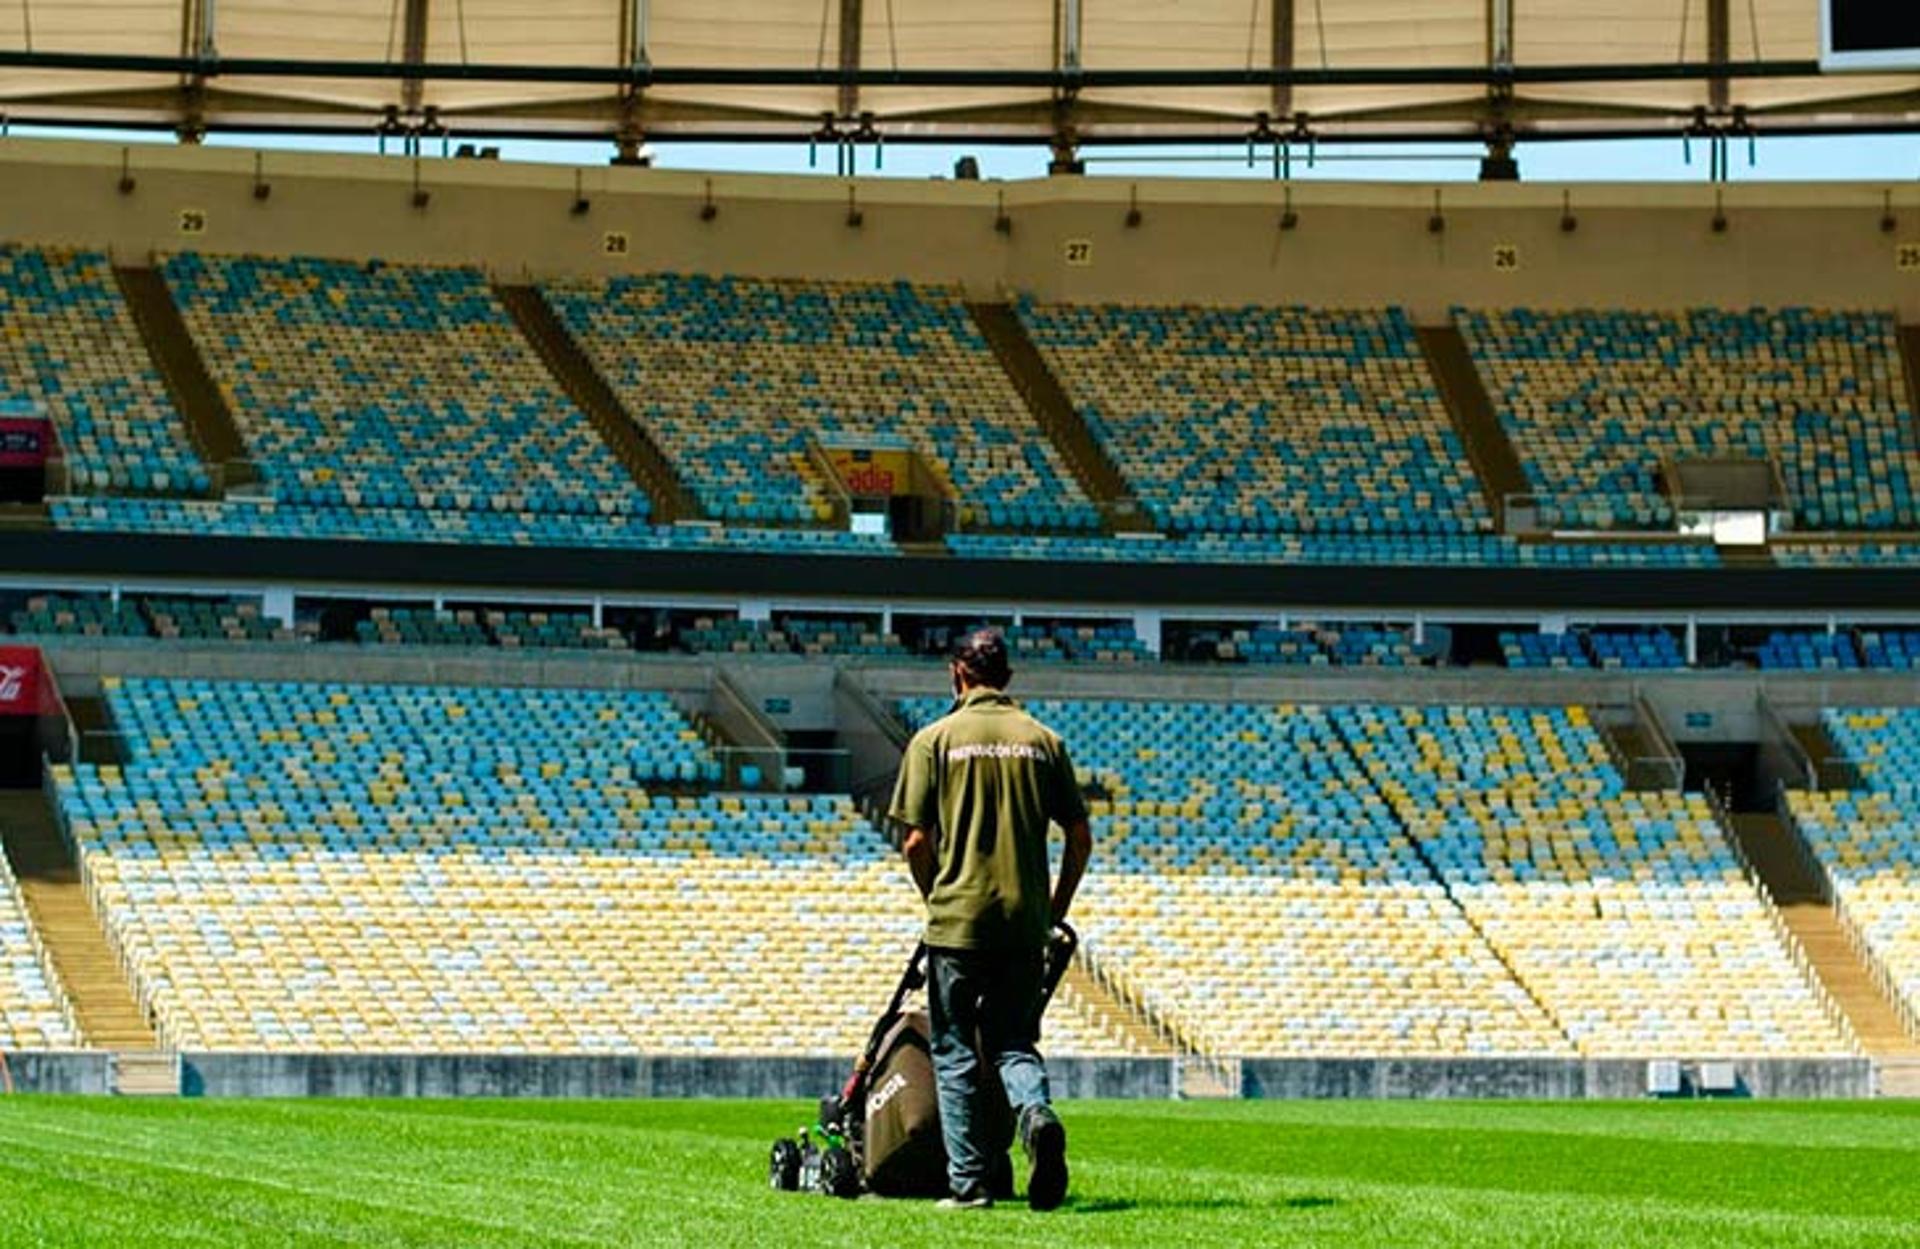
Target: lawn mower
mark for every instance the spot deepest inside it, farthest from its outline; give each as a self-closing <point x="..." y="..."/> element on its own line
<point x="881" y="1132"/>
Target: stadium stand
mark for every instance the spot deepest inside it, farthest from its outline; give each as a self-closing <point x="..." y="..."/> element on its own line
<point x="1846" y="554"/>
<point x="1407" y="550"/>
<point x="303" y="867"/>
<point x="34" y="1013"/>
<point x="1868" y="840"/>
<point x="1792" y="649"/>
<point x="1890" y="648"/>
<point x="80" y="615"/>
<point x="1543" y="650"/>
<point x="1604" y="902"/>
<point x="1262" y="644"/>
<point x="1254" y="886"/>
<point x="735" y="377"/>
<point x="269" y="518"/>
<point x="218" y="620"/>
<point x="1651" y="649"/>
<point x="392" y="387"/>
<point x="555" y="630"/>
<point x="418" y="626"/>
<point x="69" y="345"/>
<point x="842" y="637"/>
<point x="1594" y="400"/>
<point x="1264" y="420"/>
<point x="729" y="636"/>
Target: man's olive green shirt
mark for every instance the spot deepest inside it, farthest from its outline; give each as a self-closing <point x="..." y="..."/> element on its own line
<point x="983" y="782"/>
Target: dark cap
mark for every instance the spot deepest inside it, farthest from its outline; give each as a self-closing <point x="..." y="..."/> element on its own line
<point x="982" y="655"/>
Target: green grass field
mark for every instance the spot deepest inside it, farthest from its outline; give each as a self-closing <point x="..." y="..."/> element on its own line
<point x="101" y="1172"/>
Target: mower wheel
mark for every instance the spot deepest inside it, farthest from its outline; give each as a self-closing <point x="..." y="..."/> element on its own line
<point x="838" y="1176"/>
<point x="783" y="1166"/>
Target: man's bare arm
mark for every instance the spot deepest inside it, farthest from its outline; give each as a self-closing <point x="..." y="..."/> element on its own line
<point x="1073" y="865"/>
<point x="918" y="847"/>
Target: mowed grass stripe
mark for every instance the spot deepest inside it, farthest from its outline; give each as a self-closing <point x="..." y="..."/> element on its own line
<point x="92" y="1171"/>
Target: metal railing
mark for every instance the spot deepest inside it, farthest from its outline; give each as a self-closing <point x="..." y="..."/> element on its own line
<point x="1885" y="982"/>
<point x="1190" y="1049"/>
<point x="1788" y="939"/>
<point x="97" y="903"/>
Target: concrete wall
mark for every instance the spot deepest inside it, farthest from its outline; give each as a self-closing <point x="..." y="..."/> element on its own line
<point x="412" y="1075"/>
<point x="796" y="696"/>
<point x="454" y="1075"/>
<point x="1198" y="239"/>
<point x="1533" y="1078"/>
<point x="41" y="1071"/>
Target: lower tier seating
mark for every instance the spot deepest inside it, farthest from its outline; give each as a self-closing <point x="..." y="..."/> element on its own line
<point x="34" y="1014"/>
<point x="1253" y="886"/>
<point x="1626" y="915"/>
<point x="365" y="868"/>
<point x="1868" y="839"/>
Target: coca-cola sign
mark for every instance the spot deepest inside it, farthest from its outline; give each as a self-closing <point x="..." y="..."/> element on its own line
<point x="19" y="681"/>
<point x="25" y="442"/>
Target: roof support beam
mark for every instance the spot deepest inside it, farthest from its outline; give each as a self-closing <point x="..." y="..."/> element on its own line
<point x="636" y="20"/>
<point x="1719" y="45"/>
<point x="413" y="52"/>
<point x="850" y="23"/>
<point x="1499" y="165"/>
<point x="1065" y="141"/>
<point x="196" y="36"/>
<point x="636" y="25"/>
<point x="1283" y="53"/>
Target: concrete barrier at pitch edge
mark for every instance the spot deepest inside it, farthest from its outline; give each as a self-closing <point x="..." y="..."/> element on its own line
<point x="805" y="1079"/>
<point x="1541" y="1079"/>
<point x="59" y="1071"/>
<point x="589" y="1076"/>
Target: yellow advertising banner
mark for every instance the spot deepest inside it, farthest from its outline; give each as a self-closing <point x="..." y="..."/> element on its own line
<point x="871" y="473"/>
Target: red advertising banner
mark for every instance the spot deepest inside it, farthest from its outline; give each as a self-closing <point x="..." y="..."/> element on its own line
<point x="20" y="683"/>
<point x="25" y="441"/>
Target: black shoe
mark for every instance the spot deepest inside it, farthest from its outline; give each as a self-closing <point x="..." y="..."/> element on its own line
<point x="1045" y="1141"/>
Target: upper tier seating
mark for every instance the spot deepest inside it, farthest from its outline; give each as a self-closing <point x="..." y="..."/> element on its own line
<point x="86" y="615"/>
<point x="393" y="386"/>
<point x="394" y="869"/>
<point x="1636" y="648"/>
<point x="1265" y="420"/>
<point x="421" y="626"/>
<point x="217" y="620"/>
<point x="557" y="630"/>
<point x="735" y="376"/>
<point x="1414" y="550"/>
<point x="1626" y="914"/>
<point x="842" y="637"/>
<point x="34" y="1014"/>
<point x="1252" y="886"/>
<point x="1890" y="648"/>
<point x="1595" y="400"/>
<point x="1543" y="650"/>
<point x="69" y="345"/>
<point x="1869" y="839"/>
<point x="269" y="518"/>
<point x="1846" y="554"/>
<point x="1797" y="649"/>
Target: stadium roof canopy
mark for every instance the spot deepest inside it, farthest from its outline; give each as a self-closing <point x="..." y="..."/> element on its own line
<point x="1068" y="72"/>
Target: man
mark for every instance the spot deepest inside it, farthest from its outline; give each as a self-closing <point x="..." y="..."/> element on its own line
<point x="977" y="789"/>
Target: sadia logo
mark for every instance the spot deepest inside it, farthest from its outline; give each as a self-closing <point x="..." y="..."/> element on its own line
<point x="878" y="1099"/>
<point x="11" y="682"/>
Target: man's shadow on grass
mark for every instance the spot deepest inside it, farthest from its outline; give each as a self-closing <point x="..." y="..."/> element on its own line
<point x="1190" y="1205"/>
